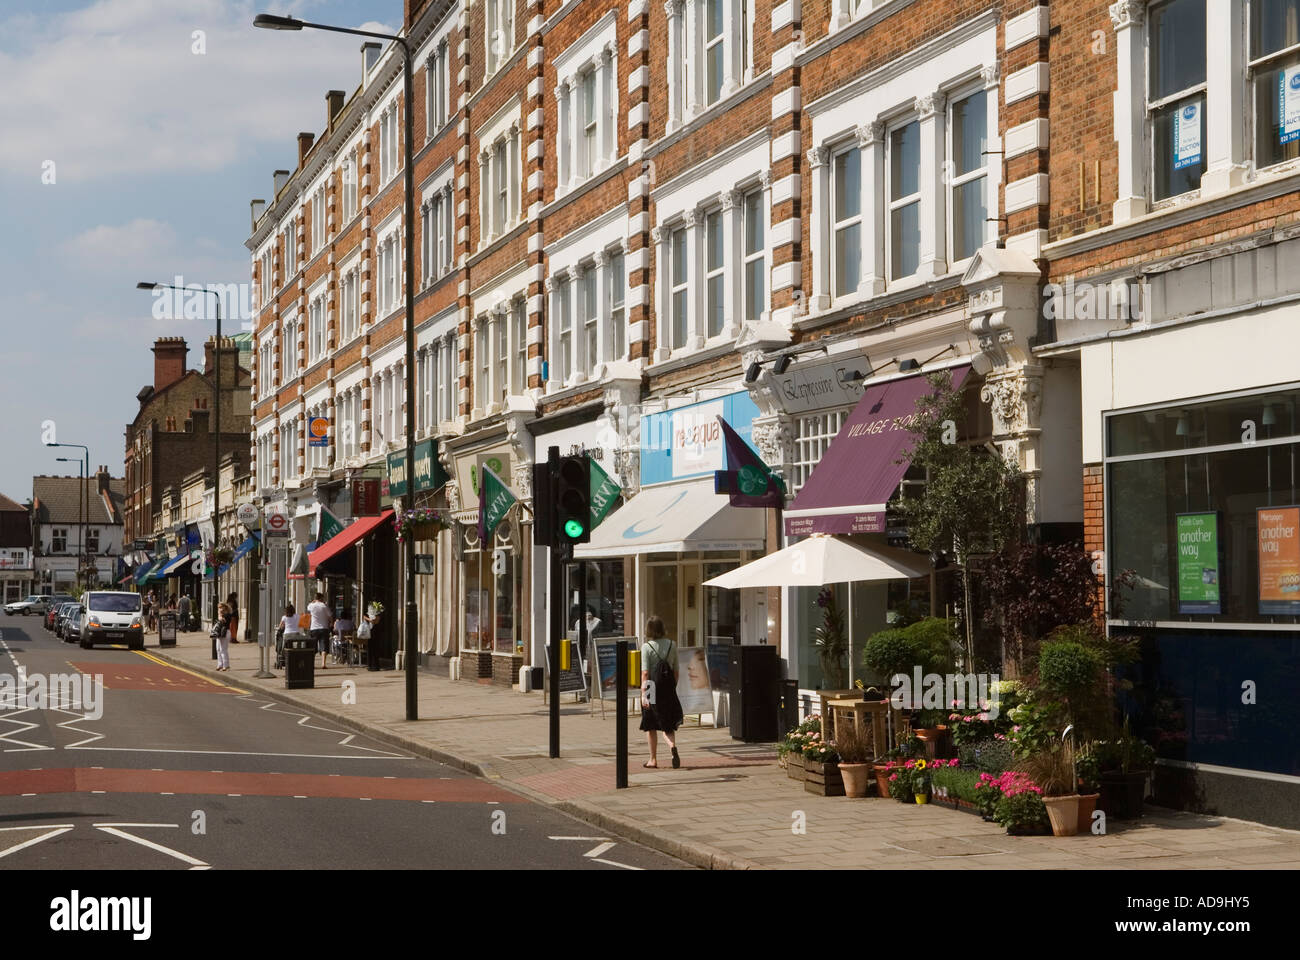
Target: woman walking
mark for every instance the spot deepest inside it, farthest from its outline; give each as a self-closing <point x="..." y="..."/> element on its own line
<point x="222" y="633"/>
<point x="661" y="711"/>
<point x="232" y="602"/>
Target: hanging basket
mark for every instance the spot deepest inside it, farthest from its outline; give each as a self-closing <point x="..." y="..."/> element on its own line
<point x="422" y="523"/>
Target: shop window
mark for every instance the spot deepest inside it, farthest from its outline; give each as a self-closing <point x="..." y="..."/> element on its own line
<point x="662" y="599"/>
<point x="1176" y="96"/>
<point x="721" y="608"/>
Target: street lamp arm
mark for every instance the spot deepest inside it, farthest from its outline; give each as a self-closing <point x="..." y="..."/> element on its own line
<point x="270" y="22"/>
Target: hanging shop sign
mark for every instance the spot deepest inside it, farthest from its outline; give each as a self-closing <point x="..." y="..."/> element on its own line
<point x="688" y="441"/>
<point x="429" y="474"/>
<point x="469" y="471"/>
<point x="1198" y="563"/>
<point x="1187" y="135"/>
<point x="1279" y="560"/>
<point x="396" y="474"/>
<point x="1288" y="95"/>
<point x="365" y="498"/>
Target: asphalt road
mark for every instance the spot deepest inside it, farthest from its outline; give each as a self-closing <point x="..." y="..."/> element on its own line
<point x="185" y="773"/>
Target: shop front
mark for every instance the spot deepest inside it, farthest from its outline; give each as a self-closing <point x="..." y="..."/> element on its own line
<point x="653" y="555"/>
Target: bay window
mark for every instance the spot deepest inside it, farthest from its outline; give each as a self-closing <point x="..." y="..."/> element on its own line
<point x="968" y="174"/>
<point x="1176" y="95"/>
<point x="903" y="224"/>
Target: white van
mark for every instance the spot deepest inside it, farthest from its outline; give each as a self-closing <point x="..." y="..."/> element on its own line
<point x="112" y="617"/>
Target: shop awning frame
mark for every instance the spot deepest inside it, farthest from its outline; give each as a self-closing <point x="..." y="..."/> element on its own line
<point x="352" y="533"/>
<point x="676" y="518"/>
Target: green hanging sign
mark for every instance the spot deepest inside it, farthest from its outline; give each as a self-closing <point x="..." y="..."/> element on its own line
<point x="604" y="494"/>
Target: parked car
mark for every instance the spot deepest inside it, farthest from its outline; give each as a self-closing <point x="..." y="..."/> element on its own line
<point x="61" y="618"/>
<point x="112" y="617"/>
<point x="72" y="624"/>
<point x="33" y="604"/>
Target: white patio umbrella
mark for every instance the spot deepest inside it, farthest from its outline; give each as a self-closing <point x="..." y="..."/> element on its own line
<point x="820" y="560"/>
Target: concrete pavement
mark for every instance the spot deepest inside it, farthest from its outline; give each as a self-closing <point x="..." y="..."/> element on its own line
<point x="730" y="806"/>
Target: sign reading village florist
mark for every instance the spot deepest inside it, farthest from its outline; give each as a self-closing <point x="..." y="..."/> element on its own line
<point x="1279" y="560"/>
<point x="687" y="441"/>
<point x="1288" y="97"/>
<point x="1187" y="135"/>
<point x="1198" y="563"/>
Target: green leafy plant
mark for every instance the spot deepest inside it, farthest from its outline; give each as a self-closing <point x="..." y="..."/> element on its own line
<point x="948" y="779"/>
<point x="794" y="742"/>
<point x="1126" y="754"/>
<point x="1087" y="767"/>
<point x="820" y="751"/>
<point x="988" y="756"/>
<point x="972" y="503"/>
<point x="1021" y="812"/>
<point x="929" y="643"/>
<point x="831" y="641"/>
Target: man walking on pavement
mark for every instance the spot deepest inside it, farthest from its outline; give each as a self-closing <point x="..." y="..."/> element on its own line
<point x="183" y="608"/>
<point x="321" y="622"/>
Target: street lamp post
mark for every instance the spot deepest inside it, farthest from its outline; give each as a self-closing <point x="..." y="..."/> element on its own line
<point x="214" y="424"/>
<point x="268" y="21"/>
<point x="81" y="511"/>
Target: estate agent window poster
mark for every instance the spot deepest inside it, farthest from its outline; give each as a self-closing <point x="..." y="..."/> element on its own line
<point x="1187" y="135"/>
<point x="1279" y="560"/>
<point x="1198" y="563"/>
<point x="1288" y="81"/>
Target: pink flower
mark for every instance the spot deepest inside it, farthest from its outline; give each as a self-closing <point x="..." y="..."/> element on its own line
<point x="1016" y="728"/>
<point x="893" y="777"/>
<point x="998" y="736"/>
<point x="984" y="717"/>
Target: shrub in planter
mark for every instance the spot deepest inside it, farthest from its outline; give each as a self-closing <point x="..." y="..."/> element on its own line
<point x="990" y="756"/>
<point x="855" y="752"/>
<point x="1021" y="813"/>
<point x="1053" y="770"/>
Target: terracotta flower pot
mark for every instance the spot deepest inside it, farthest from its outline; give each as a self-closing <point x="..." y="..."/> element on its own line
<point x="1087" y="804"/>
<point x="857" y="778"/>
<point x="1063" y="812"/>
<point x="882" y="780"/>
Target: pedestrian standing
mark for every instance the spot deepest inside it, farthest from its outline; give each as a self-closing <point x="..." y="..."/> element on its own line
<point x="183" y="607"/>
<point x="221" y="631"/>
<point x="232" y="602"/>
<point x="661" y="711"/>
<point x="321" y="621"/>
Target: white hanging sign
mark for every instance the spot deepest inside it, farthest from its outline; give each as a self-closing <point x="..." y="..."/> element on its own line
<point x="1288" y="82"/>
<point x="1187" y="135"/>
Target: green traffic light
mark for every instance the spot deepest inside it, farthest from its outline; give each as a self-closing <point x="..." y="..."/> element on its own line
<point x="572" y="529"/>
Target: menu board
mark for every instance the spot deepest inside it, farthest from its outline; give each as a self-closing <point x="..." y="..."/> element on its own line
<point x="1198" y="563"/>
<point x="1279" y="560"/>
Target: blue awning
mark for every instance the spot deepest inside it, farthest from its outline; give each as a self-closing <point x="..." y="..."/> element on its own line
<point x="241" y="551"/>
<point x="142" y="574"/>
<point x="172" y="567"/>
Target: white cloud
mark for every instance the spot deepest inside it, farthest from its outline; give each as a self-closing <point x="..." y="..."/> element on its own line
<point x="130" y="245"/>
<point x="116" y="88"/>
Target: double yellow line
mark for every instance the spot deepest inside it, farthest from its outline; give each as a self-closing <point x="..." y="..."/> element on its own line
<point x="215" y="683"/>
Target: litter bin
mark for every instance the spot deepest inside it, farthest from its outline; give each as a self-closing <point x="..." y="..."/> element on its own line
<point x="167" y="628"/>
<point x="299" y="661"/>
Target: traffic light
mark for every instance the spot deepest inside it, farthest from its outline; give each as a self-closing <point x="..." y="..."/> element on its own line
<point x="572" y="500"/>
<point x="543" y="506"/>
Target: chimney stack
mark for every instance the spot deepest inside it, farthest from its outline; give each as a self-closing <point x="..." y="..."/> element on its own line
<point x="333" y="104"/>
<point x="258" y="207"/>
<point x="104" y="479"/>
<point x="227" y="347"/>
<point x="369" y="57"/>
<point x="305" y="140"/>
<point x="280" y="178"/>
<point x="169" y="355"/>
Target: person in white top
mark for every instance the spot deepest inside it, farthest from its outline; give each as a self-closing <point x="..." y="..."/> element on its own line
<point x="321" y="621"/>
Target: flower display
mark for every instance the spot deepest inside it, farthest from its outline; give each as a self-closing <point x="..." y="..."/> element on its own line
<point x="405" y="521"/>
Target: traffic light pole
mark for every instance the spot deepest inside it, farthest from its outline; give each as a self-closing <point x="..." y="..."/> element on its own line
<point x="557" y="615"/>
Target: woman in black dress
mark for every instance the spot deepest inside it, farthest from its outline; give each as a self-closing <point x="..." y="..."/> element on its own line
<point x="661" y="711"/>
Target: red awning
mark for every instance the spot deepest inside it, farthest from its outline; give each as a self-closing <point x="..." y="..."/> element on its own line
<point x="847" y="490"/>
<point x="341" y="541"/>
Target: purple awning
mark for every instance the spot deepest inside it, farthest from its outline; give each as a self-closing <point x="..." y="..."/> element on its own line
<point x="860" y="471"/>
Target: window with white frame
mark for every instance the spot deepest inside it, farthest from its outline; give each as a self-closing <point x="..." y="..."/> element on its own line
<point x="715" y="278"/>
<point x="350" y="296"/>
<point x="482" y="364"/>
<point x="58" y="539"/>
<point x="846" y="220"/>
<point x="435" y="86"/>
<point x="1274" y="57"/>
<point x="499" y="36"/>
<point x="586" y="135"/>
<point x="388" y="143"/>
<point x="435" y="230"/>
<point x="316" y="332"/>
<point x="812" y="436"/>
<point x="288" y="450"/>
<point x="387" y="269"/>
<point x="903" y="222"/>
<point x="317" y="220"/>
<point x="564" y="324"/>
<point x="290" y="239"/>
<point x="447" y="378"/>
<point x="616" y="295"/>
<point x="588" y="139"/>
<point x="350" y="178"/>
<point x="679" y="289"/>
<point x="499" y="173"/>
<point x="264" y="271"/>
<point x="397" y="421"/>
<point x="289" y="349"/>
<point x="266" y="367"/>
<point x="754" y="256"/>
<point x="721" y="32"/>
<point x="968" y="127"/>
<point x="501" y="344"/>
<point x="424" y="386"/>
<point x="588" y="305"/>
<point x="1176" y="96"/>
<point x="519" y="345"/>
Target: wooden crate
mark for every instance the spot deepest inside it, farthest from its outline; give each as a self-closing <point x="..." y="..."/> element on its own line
<point x="794" y="766"/>
<point x="823" y="779"/>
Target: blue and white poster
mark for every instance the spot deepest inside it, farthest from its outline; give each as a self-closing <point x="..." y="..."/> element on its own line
<point x="1187" y="135"/>
<point x="1288" y="98"/>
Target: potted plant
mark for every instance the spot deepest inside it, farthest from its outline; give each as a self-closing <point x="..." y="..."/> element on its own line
<point x="1018" y="805"/>
<point x="831" y="641"/>
<point x="421" y="523"/>
<point x="821" y="770"/>
<point x="900" y="781"/>
<point x="906" y="749"/>
<point x="1088" y="771"/>
<point x="790" y="750"/>
<point x="921" y="780"/>
<point x="855" y="753"/>
<point x="1124" y="764"/>
<point x="1053" y="770"/>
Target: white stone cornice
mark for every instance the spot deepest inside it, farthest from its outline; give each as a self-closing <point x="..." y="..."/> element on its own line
<point x="1127" y="13"/>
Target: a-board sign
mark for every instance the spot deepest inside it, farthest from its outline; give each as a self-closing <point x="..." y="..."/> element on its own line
<point x="719" y="656"/>
<point x="693" y="688"/>
<point x="574" y="679"/>
<point x="606" y="663"/>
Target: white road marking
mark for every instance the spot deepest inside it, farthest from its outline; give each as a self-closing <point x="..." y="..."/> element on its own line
<point x="235" y="753"/>
<point x="183" y="857"/>
<point x="603" y="848"/>
<point x="605" y="845"/>
<point x="53" y="832"/>
<point x="615" y="863"/>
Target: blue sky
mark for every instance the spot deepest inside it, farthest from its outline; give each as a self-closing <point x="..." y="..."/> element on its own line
<point x="157" y="150"/>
